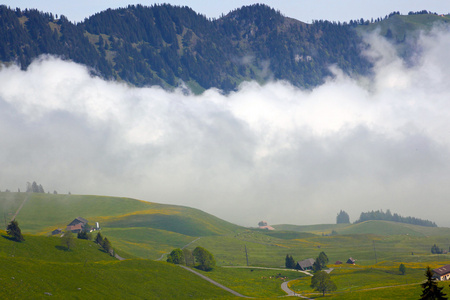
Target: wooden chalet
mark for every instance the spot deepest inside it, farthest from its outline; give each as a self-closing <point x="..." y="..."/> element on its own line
<point x="305" y="265"/>
<point x="442" y="273"/>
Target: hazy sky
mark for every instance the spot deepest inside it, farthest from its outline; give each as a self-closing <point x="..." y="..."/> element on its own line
<point x="303" y="10"/>
<point x="272" y="152"/>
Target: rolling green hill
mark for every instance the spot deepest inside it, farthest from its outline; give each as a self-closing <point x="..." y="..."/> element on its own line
<point x="149" y="230"/>
<point x="382" y="228"/>
<point x="40" y="267"/>
<point x="140" y="228"/>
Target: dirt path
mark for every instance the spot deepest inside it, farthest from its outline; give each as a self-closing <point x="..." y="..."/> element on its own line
<point x="118" y="257"/>
<point x="162" y="256"/>
<point x="214" y="282"/>
<point x="20" y="207"/>
<point x="264" y="268"/>
<point x="289" y="292"/>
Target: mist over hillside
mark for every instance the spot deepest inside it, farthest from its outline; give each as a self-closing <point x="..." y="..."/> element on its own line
<point x="273" y="151"/>
<point x="296" y="121"/>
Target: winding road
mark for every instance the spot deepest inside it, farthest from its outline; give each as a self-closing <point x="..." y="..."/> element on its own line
<point x="214" y="282"/>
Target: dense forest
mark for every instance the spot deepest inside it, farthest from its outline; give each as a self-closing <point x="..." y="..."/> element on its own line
<point x="166" y="45"/>
<point x="388" y="216"/>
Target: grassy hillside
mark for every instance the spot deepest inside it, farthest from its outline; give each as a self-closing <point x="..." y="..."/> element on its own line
<point x="143" y="229"/>
<point x="40" y="265"/>
<point x="368" y="227"/>
<point x="400" y="26"/>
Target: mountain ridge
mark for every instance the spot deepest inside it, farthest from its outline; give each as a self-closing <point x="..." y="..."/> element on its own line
<point x="167" y="45"/>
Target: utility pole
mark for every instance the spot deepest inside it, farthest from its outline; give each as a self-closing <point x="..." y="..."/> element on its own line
<point x="376" y="260"/>
<point x="246" y="254"/>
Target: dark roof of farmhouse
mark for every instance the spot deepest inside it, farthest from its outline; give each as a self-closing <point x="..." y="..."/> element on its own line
<point x="307" y="263"/>
<point x="442" y="270"/>
<point x="77" y="221"/>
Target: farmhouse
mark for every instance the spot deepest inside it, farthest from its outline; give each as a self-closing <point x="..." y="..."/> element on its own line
<point x="305" y="264"/>
<point x="351" y="261"/>
<point x="442" y="273"/>
<point x="264" y="225"/>
<point x="77" y="225"/>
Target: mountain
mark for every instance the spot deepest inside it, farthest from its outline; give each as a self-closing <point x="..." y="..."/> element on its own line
<point x="165" y="45"/>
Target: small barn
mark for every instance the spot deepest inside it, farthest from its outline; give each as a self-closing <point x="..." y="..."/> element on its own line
<point x="56" y="231"/>
<point x="338" y="262"/>
<point x="442" y="273"/>
<point x="351" y="261"/>
<point x="305" y="265"/>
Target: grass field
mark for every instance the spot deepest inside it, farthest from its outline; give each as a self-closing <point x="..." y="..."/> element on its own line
<point x="254" y="282"/>
<point x="146" y="230"/>
<point x="41" y="265"/>
<point x="380" y="281"/>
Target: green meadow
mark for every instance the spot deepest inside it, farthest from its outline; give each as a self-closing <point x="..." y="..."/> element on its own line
<point x="144" y="233"/>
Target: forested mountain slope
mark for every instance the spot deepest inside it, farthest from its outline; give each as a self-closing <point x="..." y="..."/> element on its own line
<point x="166" y="45"/>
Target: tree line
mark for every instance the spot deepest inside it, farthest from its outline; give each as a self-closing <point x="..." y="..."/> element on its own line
<point x="199" y="258"/>
<point x="343" y="217"/>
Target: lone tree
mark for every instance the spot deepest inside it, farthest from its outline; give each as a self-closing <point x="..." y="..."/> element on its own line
<point x="402" y="269"/>
<point x="14" y="231"/>
<point x="430" y="288"/>
<point x="176" y="256"/>
<point x="342" y="218"/>
<point x="204" y="258"/>
<point x="289" y="263"/>
<point x="321" y="282"/>
<point x="68" y="240"/>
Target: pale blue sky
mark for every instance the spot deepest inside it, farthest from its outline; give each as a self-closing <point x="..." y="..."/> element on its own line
<point x="303" y="10"/>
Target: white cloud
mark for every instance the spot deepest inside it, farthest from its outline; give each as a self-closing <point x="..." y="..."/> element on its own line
<point x="272" y="152"/>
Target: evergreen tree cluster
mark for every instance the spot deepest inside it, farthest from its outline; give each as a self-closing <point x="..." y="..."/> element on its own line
<point x="165" y="44"/>
<point x="320" y="262"/>
<point x="290" y="262"/>
<point x="104" y="243"/>
<point x="436" y="250"/>
<point x="388" y="216"/>
<point x="342" y="218"/>
<point x="34" y="188"/>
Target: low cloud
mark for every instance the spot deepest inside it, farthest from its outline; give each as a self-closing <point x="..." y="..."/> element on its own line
<point x="272" y="152"/>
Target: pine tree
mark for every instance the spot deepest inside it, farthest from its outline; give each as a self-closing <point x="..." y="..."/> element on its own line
<point x="107" y="246"/>
<point x="14" y="231"/>
<point x="289" y="262"/>
<point x="342" y="217"/>
<point x="99" y="239"/>
<point x="430" y="288"/>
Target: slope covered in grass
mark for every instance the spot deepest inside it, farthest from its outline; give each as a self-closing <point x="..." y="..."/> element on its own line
<point x="43" y="212"/>
<point x="40" y="265"/>
<point x="142" y="229"/>
<point x="368" y="227"/>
